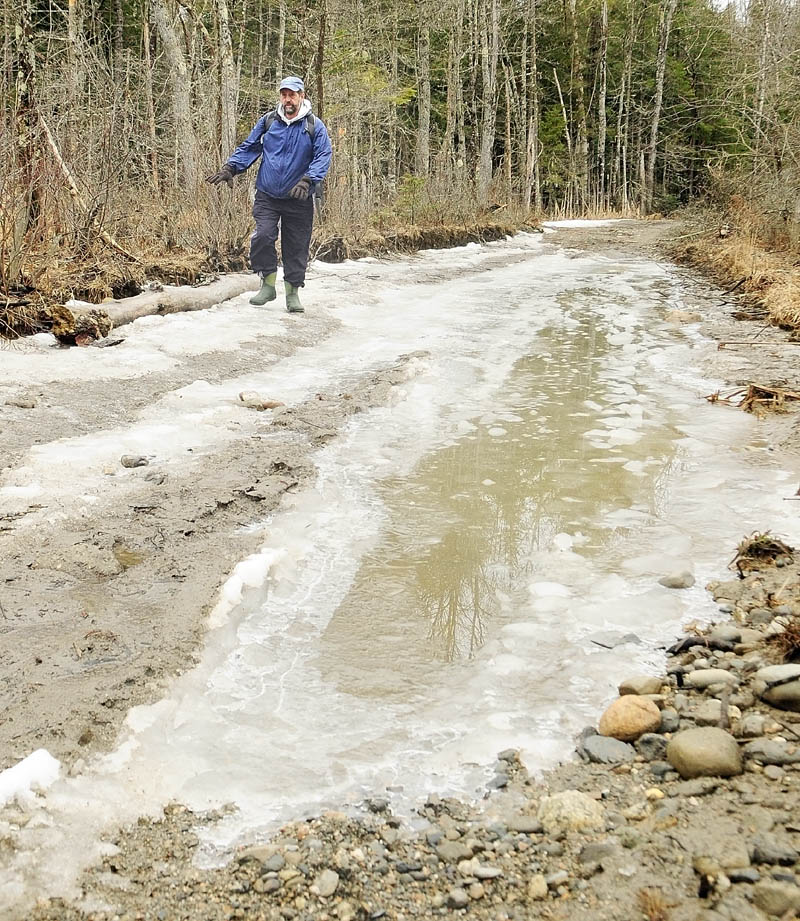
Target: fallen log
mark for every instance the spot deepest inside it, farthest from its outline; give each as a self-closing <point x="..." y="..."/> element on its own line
<point x="179" y="299"/>
<point x="81" y="324"/>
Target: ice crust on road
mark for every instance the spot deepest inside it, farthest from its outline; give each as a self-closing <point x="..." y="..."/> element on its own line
<point x="260" y="722"/>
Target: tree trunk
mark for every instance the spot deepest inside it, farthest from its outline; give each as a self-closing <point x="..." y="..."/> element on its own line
<point x="228" y="89"/>
<point x="490" y="48"/>
<point x="151" y="110"/>
<point x="578" y="105"/>
<point x="601" y="109"/>
<point x="185" y="158"/>
<point x="319" y="102"/>
<point x="664" y="25"/>
<point x="117" y="39"/>
<point x="422" y="157"/>
<point x="279" y="74"/>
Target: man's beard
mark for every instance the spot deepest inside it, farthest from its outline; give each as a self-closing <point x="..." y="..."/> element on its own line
<point x="289" y="108"/>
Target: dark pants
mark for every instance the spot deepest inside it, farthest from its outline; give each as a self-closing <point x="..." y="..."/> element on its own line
<point x="295" y="217"/>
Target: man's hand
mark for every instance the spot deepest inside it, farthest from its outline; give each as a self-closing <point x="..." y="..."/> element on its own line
<point x="226" y="174"/>
<point x="302" y="188"/>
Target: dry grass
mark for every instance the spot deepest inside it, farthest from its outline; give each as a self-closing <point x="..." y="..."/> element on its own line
<point x="354" y="243"/>
<point x="652" y="904"/>
<point x="743" y="248"/>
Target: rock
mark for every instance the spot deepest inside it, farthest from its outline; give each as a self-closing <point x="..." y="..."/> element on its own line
<point x="453" y="851"/>
<point x="751" y="725"/>
<point x="706" y="677"/>
<point x="21" y="403"/>
<point x="325" y="884"/>
<point x="457" y="898"/>
<point x="744" y="875"/>
<point x="784" y="696"/>
<point x="267" y="884"/>
<point x="476" y="891"/>
<point x="766" y="848"/>
<point x="570" y="811"/>
<point x="134" y="460"/>
<point x="629" y="717"/>
<point x="525" y="824"/>
<point x="481" y="871"/>
<point x="704" y="752"/>
<point x="537" y="887"/>
<point x="679" y="579"/>
<point x="709" y="713"/>
<point x="725" y="633"/>
<point x="598" y="851"/>
<point x="670" y="720"/>
<point x="651" y="746"/>
<point x="275" y="863"/>
<point x="604" y="750"/>
<point x="253" y="400"/>
<point x="776" y="898"/>
<point x="640" y="685"/>
<point x="699" y="787"/>
<point x="771" y="751"/>
<point x="778" y="674"/>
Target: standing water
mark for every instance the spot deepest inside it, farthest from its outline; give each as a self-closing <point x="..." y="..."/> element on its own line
<point x="476" y="567"/>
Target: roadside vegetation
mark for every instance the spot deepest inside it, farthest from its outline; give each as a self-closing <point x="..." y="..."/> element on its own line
<point x="451" y="121"/>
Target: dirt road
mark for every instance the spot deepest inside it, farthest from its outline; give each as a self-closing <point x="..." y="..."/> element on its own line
<point x="103" y="602"/>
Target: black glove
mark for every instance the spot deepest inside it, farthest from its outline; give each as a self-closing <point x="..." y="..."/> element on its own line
<point x="301" y="190"/>
<point x="226" y="174"/>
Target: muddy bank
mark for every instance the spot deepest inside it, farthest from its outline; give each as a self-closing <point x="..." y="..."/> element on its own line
<point x="159" y="595"/>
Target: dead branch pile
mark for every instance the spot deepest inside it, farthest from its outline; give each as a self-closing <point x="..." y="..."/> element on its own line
<point x="757" y="398"/>
<point x="760" y="549"/>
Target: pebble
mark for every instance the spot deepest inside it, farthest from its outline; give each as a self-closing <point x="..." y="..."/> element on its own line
<point x="640" y="685"/>
<point x="570" y="810"/>
<point x="680" y="579"/>
<point x="537" y="887"/>
<point x="525" y="824"/>
<point x="707" y="677"/>
<point x="453" y="851"/>
<point x="134" y="460"/>
<point x="669" y="720"/>
<point x="744" y="875"/>
<point x="770" y="849"/>
<point x="771" y="751"/>
<point x="652" y="746"/>
<point x="776" y="898"/>
<point x="457" y="898"/>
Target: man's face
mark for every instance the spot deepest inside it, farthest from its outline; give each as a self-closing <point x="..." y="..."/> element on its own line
<point x="291" y="102"/>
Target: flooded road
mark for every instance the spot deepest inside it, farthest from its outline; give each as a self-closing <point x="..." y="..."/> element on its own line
<point x="476" y="568"/>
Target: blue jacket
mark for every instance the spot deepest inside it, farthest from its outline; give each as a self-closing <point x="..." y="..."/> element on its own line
<point x="287" y="154"/>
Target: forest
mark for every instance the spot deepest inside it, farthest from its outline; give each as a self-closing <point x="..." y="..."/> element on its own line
<point x="441" y="114"/>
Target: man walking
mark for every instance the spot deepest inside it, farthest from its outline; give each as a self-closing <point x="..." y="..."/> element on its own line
<point x="295" y="153"/>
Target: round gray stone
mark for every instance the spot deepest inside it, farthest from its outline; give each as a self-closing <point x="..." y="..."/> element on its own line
<point x="704" y="752"/>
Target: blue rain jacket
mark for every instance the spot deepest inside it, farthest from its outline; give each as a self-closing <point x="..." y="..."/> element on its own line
<point x="287" y="154"/>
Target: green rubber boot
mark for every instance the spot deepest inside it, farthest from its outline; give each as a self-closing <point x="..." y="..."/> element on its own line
<point x="293" y="304"/>
<point x="267" y="290"/>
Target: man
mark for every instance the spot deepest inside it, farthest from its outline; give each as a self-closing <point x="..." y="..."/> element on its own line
<point x="295" y="153"/>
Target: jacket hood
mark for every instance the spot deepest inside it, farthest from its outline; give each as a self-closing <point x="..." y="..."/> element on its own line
<point x="305" y="108"/>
